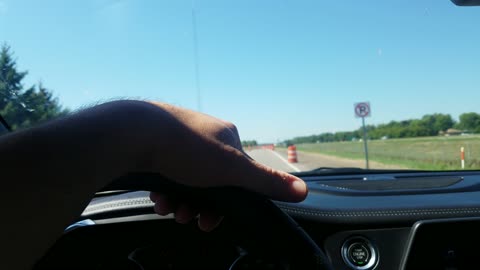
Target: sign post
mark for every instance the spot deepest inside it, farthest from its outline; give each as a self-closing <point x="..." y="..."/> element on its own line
<point x="362" y="110"/>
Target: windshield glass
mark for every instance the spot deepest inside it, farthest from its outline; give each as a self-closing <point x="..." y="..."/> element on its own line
<point x="300" y="79"/>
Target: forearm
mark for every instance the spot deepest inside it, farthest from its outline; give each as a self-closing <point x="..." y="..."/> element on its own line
<point x="49" y="174"/>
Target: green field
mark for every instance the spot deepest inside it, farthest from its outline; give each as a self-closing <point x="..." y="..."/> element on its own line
<point x="426" y="153"/>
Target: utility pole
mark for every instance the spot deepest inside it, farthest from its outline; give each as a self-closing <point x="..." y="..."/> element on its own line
<point x="196" y="60"/>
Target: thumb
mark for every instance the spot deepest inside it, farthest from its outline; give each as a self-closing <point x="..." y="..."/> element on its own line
<point x="276" y="184"/>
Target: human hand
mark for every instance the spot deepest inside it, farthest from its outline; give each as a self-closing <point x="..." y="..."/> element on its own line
<point x="206" y="152"/>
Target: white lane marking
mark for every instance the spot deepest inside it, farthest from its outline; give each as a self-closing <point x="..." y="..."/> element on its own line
<point x="286" y="161"/>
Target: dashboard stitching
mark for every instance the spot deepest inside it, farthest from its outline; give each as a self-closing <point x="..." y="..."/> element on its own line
<point x="385" y="213"/>
<point x="130" y="202"/>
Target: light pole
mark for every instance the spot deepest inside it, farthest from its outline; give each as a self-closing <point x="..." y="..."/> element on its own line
<point x="195" y="59"/>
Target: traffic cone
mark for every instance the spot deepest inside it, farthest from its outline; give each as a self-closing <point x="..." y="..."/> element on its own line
<point x="292" y="154"/>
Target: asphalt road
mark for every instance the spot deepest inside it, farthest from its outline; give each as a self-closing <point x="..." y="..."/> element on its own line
<point x="308" y="161"/>
<point x="273" y="159"/>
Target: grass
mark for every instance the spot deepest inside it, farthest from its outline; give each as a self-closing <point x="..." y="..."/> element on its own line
<point x="425" y="153"/>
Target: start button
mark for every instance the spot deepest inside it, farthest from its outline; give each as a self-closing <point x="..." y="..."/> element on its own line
<point x="358" y="253"/>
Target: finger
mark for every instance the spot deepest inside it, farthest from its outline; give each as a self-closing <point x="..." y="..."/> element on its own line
<point x="154" y="196"/>
<point x="185" y="213"/>
<point x="208" y="221"/>
<point x="164" y="205"/>
<point x="273" y="183"/>
<point x="247" y="155"/>
<point x="232" y="128"/>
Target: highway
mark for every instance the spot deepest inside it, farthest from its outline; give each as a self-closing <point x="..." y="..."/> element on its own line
<point x="277" y="159"/>
<point x="274" y="159"/>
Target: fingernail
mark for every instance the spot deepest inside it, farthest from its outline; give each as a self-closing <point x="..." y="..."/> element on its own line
<point x="299" y="186"/>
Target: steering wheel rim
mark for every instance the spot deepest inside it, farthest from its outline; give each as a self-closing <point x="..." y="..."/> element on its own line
<point x="257" y="224"/>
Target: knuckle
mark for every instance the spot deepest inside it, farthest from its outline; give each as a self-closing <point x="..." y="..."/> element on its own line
<point x="231" y="125"/>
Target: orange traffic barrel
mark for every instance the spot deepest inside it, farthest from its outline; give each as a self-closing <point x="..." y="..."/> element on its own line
<point x="292" y="154"/>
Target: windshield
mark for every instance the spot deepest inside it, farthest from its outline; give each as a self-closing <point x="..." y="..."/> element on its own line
<point x="308" y="83"/>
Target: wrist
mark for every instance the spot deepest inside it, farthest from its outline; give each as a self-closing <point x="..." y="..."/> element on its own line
<point x="99" y="144"/>
<point x="143" y="131"/>
<point x="127" y="133"/>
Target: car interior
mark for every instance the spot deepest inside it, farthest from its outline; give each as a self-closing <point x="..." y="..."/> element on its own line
<point x="352" y="219"/>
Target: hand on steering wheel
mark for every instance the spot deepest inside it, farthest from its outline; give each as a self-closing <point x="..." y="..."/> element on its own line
<point x="207" y="152"/>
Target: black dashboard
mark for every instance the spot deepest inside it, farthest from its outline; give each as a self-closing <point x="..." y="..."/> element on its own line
<point x="381" y="221"/>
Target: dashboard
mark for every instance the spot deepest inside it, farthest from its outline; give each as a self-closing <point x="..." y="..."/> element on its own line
<point x="381" y="221"/>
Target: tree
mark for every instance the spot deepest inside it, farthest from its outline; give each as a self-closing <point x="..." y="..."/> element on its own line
<point x="23" y="107"/>
<point x="249" y="143"/>
<point x="443" y="122"/>
<point x="469" y="121"/>
<point x="40" y="106"/>
<point x="428" y="125"/>
<point x="437" y="122"/>
<point x="10" y="78"/>
<point x="10" y="87"/>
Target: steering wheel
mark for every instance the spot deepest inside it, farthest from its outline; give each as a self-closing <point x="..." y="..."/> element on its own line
<point x="255" y="222"/>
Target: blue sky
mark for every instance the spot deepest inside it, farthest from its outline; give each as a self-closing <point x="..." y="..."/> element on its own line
<point x="277" y="69"/>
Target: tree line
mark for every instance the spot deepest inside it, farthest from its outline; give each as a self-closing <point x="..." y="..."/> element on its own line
<point x="19" y="106"/>
<point x="428" y="125"/>
<point x="249" y="143"/>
